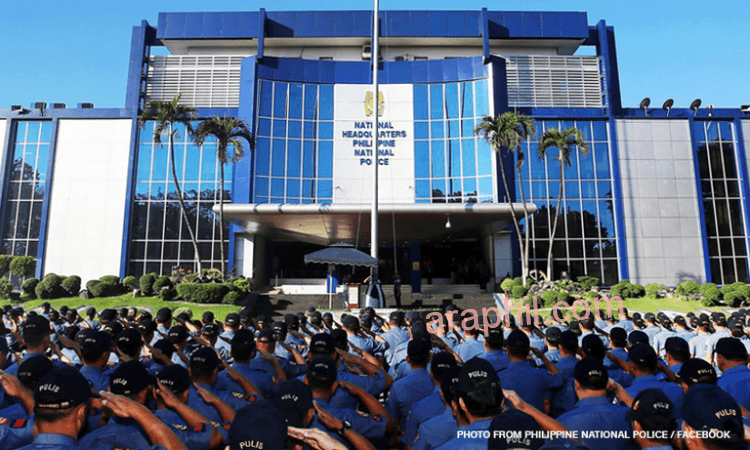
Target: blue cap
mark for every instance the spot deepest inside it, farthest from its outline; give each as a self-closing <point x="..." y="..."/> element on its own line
<point x="62" y="388"/>
<point x="175" y="378"/>
<point x="652" y="405"/>
<point x="205" y="358"/>
<point x="637" y="337"/>
<point x="96" y="342"/>
<point x="258" y="425"/>
<point x="708" y="407"/>
<point x="294" y="399"/>
<point x="130" y="378"/>
<point x="514" y="420"/>
<point x="322" y="369"/>
<point x="563" y="444"/>
<point x="33" y="369"/>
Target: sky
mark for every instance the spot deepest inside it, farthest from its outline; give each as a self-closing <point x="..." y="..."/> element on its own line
<point x="77" y="51"/>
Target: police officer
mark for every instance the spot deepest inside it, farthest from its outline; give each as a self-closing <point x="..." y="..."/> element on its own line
<point x="243" y="352"/>
<point x="495" y="354"/>
<point x="564" y="399"/>
<point x="435" y="431"/>
<point x="416" y="385"/>
<point x="694" y="371"/>
<point x="709" y="407"/>
<point x="731" y="357"/>
<point x="652" y="419"/>
<point x="95" y="351"/>
<point x="643" y="366"/>
<point x="699" y="343"/>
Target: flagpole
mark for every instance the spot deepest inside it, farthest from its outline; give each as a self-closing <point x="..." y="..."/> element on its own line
<point x="376" y="106"/>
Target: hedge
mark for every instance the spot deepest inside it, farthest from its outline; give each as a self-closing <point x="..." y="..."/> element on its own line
<point x="518" y="292"/>
<point x="130" y="283"/>
<point x="22" y="266"/>
<point x="586" y="282"/>
<point x="202" y="292"/>
<point x="625" y="289"/>
<point x="653" y="290"/>
<point x="50" y="287"/>
<point x="736" y="293"/>
<point x="147" y="282"/>
<point x="72" y="285"/>
<point x="5" y="264"/>
<point x="99" y="288"/>
<point x="29" y="287"/>
<point x="5" y="287"/>
<point x="711" y="294"/>
<point x="687" y="288"/>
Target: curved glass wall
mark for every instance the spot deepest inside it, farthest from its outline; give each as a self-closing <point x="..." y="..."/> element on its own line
<point x="723" y="202"/>
<point x="294" y="143"/>
<point x="22" y="211"/>
<point x="450" y="163"/>
<point x="585" y="239"/>
<point x="160" y="241"/>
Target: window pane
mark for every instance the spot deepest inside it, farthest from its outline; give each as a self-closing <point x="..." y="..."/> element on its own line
<point x="325" y="130"/>
<point x="261" y="186"/>
<point x="484" y="158"/>
<point x="278" y="160"/>
<point x="326" y="102"/>
<point x="421" y="159"/>
<point x="266" y="98"/>
<point x="437" y="130"/>
<point x="277" y="187"/>
<point x="292" y="188"/>
<point x="295" y="101"/>
<point x="482" y="108"/>
<point x="485" y="186"/>
<point x="325" y="160"/>
<point x="262" y="158"/>
<point x="279" y="128"/>
<point x="421" y="130"/>
<point x="422" y="189"/>
<point x="279" y="100"/>
<point x="602" y="160"/>
<point x="311" y="101"/>
<point x="325" y="189"/>
<point x="294" y="158"/>
<point x="295" y="129"/>
<point x="436" y="101"/>
<point x="308" y="161"/>
<point x="438" y="159"/>
<point x="451" y="100"/>
<point x="600" y="130"/>
<point x="469" y="157"/>
<point x="454" y="158"/>
<point x="421" y="102"/>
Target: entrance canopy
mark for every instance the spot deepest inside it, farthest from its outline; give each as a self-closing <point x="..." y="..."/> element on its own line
<point x="323" y="224"/>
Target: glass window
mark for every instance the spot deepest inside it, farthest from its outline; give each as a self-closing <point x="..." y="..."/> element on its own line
<point x="325" y="189"/>
<point x="279" y="128"/>
<point x="266" y="98"/>
<point x="469" y="157"/>
<point x="451" y="100"/>
<point x="295" y="101"/>
<point x="470" y="187"/>
<point x="601" y="160"/>
<point x="482" y="108"/>
<point x="467" y="128"/>
<point x="421" y="159"/>
<point x="308" y="161"/>
<point x="264" y="127"/>
<point x="326" y="102"/>
<point x="262" y="160"/>
<point x="277" y="187"/>
<point x="436" y="101"/>
<point x="453" y="131"/>
<point x="261" y="186"/>
<point x="325" y="160"/>
<point x="438" y="160"/>
<point x="485" y="186"/>
<point x="421" y="102"/>
<point x="294" y="158"/>
<point x="295" y="129"/>
<point x="309" y="130"/>
<point x="437" y="130"/>
<point x="484" y="158"/>
<point x="292" y="188"/>
<point x="278" y="158"/>
<point x="467" y="100"/>
<point x="311" y="103"/>
<point x="279" y="100"/>
<point x="454" y="158"/>
<point x="325" y="130"/>
<point x="421" y="130"/>
<point x="600" y="130"/>
<point x="423" y="189"/>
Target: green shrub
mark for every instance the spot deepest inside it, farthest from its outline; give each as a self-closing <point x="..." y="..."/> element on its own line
<point x="653" y="290"/>
<point x="507" y="285"/>
<point x="202" y="292"/>
<point x="549" y="298"/>
<point x="130" y="283"/>
<point x="167" y="293"/>
<point x="624" y="289"/>
<point x="28" y="287"/>
<point x="518" y="281"/>
<point x="5" y="287"/>
<point x="564" y="297"/>
<point x="147" y="282"/>
<point x="591" y="295"/>
<point x="232" y="298"/>
<point x="636" y="291"/>
<point x="22" y="266"/>
<point x="182" y="309"/>
<point x="586" y="282"/>
<point x="736" y="293"/>
<point x="114" y="281"/>
<point x="50" y="287"/>
<point x="72" y="285"/>
<point x="687" y="288"/>
<point x="5" y="264"/>
<point x="98" y="288"/>
<point x="243" y="284"/>
<point x="162" y="281"/>
<point x="518" y="292"/>
<point x="711" y="294"/>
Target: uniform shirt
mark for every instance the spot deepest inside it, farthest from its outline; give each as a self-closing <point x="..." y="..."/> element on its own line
<point x="235" y="399"/>
<point x="564" y="399"/>
<point x="415" y="386"/>
<point x="259" y="377"/>
<point x="436" y="431"/>
<point x="532" y="384"/>
<point x="13" y="369"/>
<point x="713" y="339"/>
<point x="685" y="334"/>
<point x="498" y="359"/>
<point x="479" y="442"/>
<point x="597" y="413"/>
<point x="394" y="337"/>
<point x="736" y="381"/>
<point x="421" y="411"/>
<point x="603" y="338"/>
<point x="659" y="340"/>
<point x="17" y="433"/>
<point x="553" y="355"/>
<point x="470" y="348"/>
<point x="196" y="402"/>
<point x="539" y="344"/>
<point x="194" y="438"/>
<point x="98" y="378"/>
<point x="698" y="345"/>
<point x="651" y="331"/>
<point x="373" y="384"/>
<point x="369" y="345"/>
<point x="72" y="356"/>
<point x="368" y="425"/>
<point x="673" y="391"/>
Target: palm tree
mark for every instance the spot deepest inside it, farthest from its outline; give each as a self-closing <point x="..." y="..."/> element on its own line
<point x="507" y="131"/>
<point x="167" y="115"/>
<point x="228" y="131"/>
<point x="564" y="141"/>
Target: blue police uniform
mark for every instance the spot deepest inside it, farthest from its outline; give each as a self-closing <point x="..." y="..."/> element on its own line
<point x="371" y="426"/>
<point x="374" y="384"/>
<point x="564" y="399"/>
<point x="539" y="344"/>
<point x="624" y="379"/>
<point x="603" y="338"/>
<point x="713" y="339"/>
<point x="194" y="438"/>
<point x="98" y="378"/>
<point x="597" y="413"/>
<point x="698" y="345"/>
<point x="674" y="392"/>
<point x="297" y="343"/>
<point x="13" y="412"/>
<point x="685" y="334"/>
<point x="52" y="441"/>
<point x="421" y="411"/>
<point x="13" y="370"/>
<point x="470" y="348"/>
<point x="394" y="337"/>
<point x="236" y="400"/>
<point x="72" y="356"/>
<point x="221" y="343"/>
<point x="651" y="331"/>
<point x="369" y="345"/>
<point x="196" y="402"/>
<point x="498" y="358"/>
<point x="259" y="377"/>
<point x="660" y="339"/>
<point x="479" y="442"/>
<point x="416" y="385"/>
<point x="553" y="355"/>
<point x="532" y="384"/>
<point x="736" y="381"/>
<point x="127" y="433"/>
<point x="436" y="431"/>
<point x="16" y="433"/>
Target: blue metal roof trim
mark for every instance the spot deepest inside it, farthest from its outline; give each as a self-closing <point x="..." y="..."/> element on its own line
<point x="455" y="24"/>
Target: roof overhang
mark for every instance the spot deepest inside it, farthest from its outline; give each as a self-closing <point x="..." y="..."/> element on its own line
<point x="327" y="223"/>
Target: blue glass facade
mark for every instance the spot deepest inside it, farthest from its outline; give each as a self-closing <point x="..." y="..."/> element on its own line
<point x="159" y="239"/>
<point x="294" y="143"/>
<point x="724" y="205"/>
<point x="585" y="241"/>
<point x="26" y="186"/>
<point x="451" y="164"/>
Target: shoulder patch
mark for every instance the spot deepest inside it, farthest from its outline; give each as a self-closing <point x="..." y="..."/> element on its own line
<point x="363" y="414"/>
<point x="178" y="427"/>
<point x="198" y="428"/>
<point x="239" y="395"/>
<point x="377" y="418"/>
<point x="18" y="423"/>
<point x="4" y="421"/>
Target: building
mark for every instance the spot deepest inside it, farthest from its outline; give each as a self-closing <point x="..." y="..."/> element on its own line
<point x="662" y="197"/>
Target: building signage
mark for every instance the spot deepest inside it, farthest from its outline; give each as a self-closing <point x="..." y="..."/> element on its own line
<point x="353" y="143"/>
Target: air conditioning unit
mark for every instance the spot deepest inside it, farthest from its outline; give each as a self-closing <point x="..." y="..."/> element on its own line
<point x="57" y="106"/>
<point x="402" y="57"/>
<point x="85" y="105"/>
<point x="40" y="105"/>
<point x="366" y="53"/>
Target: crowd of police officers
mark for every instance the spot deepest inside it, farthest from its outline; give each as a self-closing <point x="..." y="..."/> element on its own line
<point x="128" y="379"/>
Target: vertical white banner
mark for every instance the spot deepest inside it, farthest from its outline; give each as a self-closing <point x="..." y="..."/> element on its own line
<point x="354" y="109"/>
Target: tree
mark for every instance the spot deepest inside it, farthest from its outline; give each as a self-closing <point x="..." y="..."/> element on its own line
<point x="228" y="131"/>
<point x="565" y="142"/>
<point x="167" y="115"/>
<point x="507" y="131"/>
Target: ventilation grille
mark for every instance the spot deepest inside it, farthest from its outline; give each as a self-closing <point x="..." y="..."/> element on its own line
<point x="554" y="81"/>
<point x="203" y="81"/>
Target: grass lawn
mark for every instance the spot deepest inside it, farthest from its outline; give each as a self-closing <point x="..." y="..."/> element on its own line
<point x="121" y="301"/>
